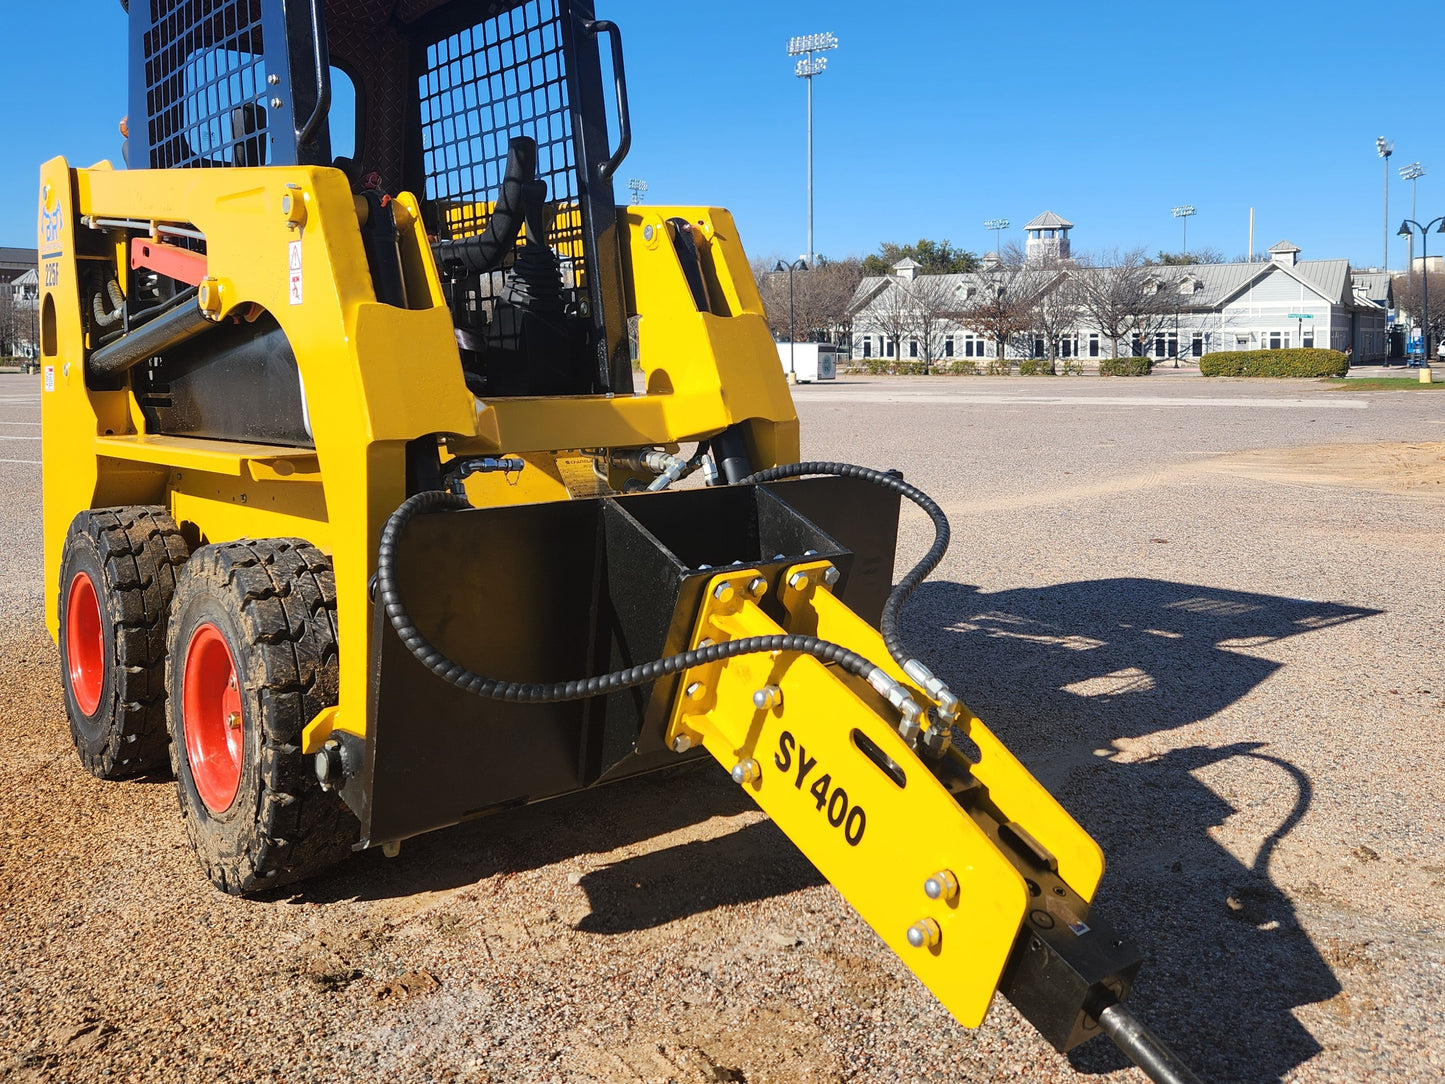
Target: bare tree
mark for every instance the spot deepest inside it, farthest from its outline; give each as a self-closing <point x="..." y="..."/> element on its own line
<point x="1000" y="305"/>
<point x="1125" y="297"/>
<point x="821" y="297"/>
<point x="935" y="307"/>
<point x="16" y="319"/>
<point x="1052" y="296"/>
<point x="890" y="314"/>
<point x="1409" y="291"/>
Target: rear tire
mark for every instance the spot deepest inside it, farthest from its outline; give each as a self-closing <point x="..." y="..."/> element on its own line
<point x="117" y="577"/>
<point x="252" y="660"/>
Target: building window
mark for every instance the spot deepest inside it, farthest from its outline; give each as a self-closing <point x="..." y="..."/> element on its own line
<point x="889" y="348"/>
<point x="867" y="346"/>
<point x="948" y="347"/>
<point x="1093" y="346"/>
<point x="912" y="348"/>
<point x="1274" y="340"/>
<point x="1196" y="345"/>
<point x="1038" y="348"/>
<point x="1307" y="340"/>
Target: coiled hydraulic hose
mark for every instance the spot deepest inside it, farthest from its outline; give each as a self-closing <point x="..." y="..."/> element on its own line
<point x="454" y="673"/>
<point x="897" y="598"/>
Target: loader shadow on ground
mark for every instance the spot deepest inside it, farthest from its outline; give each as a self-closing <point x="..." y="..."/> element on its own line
<point x="589" y="822"/>
<point x="1060" y="673"/>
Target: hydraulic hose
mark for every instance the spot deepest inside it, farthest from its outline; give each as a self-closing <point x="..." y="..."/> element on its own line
<point x="892" y="609"/>
<point x="530" y="693"/>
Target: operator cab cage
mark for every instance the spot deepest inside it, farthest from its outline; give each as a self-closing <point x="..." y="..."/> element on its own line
<point x="491" y="113"/>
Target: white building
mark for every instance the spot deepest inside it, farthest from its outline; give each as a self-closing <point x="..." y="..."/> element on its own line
<point x="19" y="300"/>
<point x="1279" y="303"/>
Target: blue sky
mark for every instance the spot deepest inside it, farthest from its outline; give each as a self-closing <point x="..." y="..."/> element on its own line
<point x="933" y="116"/>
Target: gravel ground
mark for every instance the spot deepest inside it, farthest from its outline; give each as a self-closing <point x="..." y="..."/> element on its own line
<point x="1206" y="614"/>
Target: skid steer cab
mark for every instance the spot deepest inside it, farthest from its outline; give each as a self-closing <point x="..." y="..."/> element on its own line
<point x="360" y="520"/>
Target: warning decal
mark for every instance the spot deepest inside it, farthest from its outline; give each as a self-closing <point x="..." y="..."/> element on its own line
<point x="294" y="261"/>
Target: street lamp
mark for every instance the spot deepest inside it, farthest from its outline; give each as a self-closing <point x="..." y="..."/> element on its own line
<point x="1183" y="213"/>
<point x="1384" y="148"/>
<point x="998" y="225"/>
<point x="638" y="189"/>
<point x="1425" y="277"/>
<point x="1412" y="173"/>
<point x="800" y="264"/>
<point x="808" y="66"/>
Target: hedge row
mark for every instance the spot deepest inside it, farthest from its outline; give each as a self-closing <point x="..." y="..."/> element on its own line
<point x="1126" y="366"/>
<point x="1293" y="362"/>
<point x="967" y="367"/>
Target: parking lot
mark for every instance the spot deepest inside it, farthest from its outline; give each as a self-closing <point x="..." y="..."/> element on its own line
<point x="1207" y="614"/>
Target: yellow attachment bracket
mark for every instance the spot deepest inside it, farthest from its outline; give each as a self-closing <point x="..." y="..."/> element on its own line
<point x="818" y="751"/>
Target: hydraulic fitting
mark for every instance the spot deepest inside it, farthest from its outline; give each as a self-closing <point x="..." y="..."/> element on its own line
<point x="925" y="679"/>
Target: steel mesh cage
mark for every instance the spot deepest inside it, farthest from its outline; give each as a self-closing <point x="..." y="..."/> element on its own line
<point x="204" y="83"/>
<point x="483" y="84"/>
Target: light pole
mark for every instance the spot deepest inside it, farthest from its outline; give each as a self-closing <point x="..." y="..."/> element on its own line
<point x="998" y="225"/>
<point x="1425" y="276"/>
<point x="1384" y="148"/>
<point x="800" y="264"/>
<point x="808" y="66"/>
<point x="1183" y="213"/>
<point x="1412" y="173"/>
<point x="638" y="189"/>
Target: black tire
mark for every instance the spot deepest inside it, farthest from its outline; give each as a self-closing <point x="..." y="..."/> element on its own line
<point x="114" y="677"/>
<point x="273" y="602"/>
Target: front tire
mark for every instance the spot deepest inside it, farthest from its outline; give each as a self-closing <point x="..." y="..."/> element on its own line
<point x="117" y="577"/>
<point x="252" y="660"/>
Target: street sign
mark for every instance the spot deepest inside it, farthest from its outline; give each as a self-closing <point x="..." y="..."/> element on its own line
<point x="1301" y="316"/>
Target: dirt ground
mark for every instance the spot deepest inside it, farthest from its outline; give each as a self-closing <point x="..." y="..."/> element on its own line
<point x="1248" y="717"/>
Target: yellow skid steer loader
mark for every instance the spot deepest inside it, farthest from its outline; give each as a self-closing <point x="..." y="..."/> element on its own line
<point x="356" y="521"/>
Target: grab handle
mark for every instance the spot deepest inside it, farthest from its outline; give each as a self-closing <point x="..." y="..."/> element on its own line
<point x="624" y="122"/>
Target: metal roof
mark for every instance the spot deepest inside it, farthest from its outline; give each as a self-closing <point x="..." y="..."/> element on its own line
<point x="18" y="257"/>
<point x="1049" y="221"/>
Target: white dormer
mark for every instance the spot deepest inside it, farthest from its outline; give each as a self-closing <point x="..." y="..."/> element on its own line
<point x="906" y="269"/>
<point x="1284" y="254"/>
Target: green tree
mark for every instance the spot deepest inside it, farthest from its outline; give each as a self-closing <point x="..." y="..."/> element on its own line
<point x="933" y="257"/>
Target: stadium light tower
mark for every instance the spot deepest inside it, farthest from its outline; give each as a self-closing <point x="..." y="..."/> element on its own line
<point x="1412" y="173"/>
<point x="1183" y="213"/>
<point x="638" y="188"/>
<point x="1384" y="148"/>
<point x="809" y="65"/>
<point x="998" y="225"/>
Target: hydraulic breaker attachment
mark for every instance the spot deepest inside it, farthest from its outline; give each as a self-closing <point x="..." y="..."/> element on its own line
<point x="965" y="866"/>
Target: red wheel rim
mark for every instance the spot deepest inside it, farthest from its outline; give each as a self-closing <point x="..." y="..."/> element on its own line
<point x="214" y="724"/>
<point x="84" y="643"/>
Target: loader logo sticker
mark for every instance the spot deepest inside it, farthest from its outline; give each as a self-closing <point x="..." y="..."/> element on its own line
<point x="294" y="260"/>
<point x="832" y="801"/>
